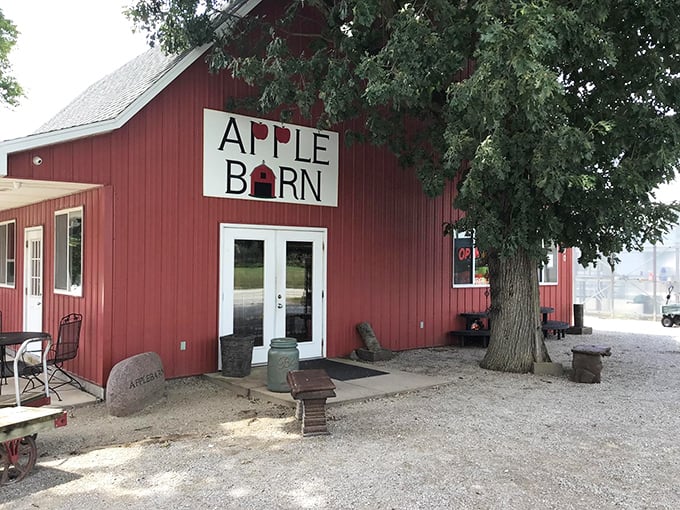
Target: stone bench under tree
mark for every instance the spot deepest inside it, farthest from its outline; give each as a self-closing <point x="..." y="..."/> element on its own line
<point x="587" y="362"/>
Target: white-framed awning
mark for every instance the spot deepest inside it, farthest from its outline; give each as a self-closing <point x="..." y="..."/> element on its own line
<point x="21" y="192"/>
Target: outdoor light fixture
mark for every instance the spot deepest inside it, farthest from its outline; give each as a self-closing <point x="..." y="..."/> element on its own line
<point x="37" y="160"/>
<point x="10" y="185"/>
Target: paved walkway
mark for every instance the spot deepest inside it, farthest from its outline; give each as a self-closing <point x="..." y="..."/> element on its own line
<point x="70" y="396"/>
<point x="254" y="386"/>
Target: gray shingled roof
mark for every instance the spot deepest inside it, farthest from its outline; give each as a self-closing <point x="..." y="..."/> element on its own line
<point x="110" y="96"/>
<point x="113" y="100"/>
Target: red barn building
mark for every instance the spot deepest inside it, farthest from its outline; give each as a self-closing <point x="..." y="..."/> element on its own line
<point x="134" y="206"/>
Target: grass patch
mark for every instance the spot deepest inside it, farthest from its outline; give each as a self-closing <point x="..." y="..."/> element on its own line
<point x="253" y="277"/>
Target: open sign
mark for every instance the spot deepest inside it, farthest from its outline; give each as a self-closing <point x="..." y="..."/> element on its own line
<point x="464" y="253"/>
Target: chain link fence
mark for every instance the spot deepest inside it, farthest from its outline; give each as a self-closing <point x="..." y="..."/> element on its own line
<point x="637" y="287"/>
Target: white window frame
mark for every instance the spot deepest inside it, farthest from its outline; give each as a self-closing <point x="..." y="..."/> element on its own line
<point x="553" y="263"/>
<point x="543" y="274"/>
<point x="472" y="284"/>
<point x="74" y="291"/>
<point x="5" y="259"/>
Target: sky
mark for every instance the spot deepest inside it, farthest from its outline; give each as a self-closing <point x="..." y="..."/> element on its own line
<point x="64" y="46"/>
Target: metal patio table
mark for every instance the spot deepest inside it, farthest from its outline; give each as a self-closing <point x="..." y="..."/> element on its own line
<point x="15" y="338"/>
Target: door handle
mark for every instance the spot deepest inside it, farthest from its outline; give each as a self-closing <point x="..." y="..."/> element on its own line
<point x="280" y="305"/>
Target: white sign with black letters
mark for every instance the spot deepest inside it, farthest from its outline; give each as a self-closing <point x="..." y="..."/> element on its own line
<point x="257" y="159"/>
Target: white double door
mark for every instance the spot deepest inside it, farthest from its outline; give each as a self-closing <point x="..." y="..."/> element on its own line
<point x="272" y="284"/>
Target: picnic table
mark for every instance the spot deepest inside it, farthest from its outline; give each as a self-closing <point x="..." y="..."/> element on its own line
<point x="483" y="329"/>
<point x="481" y="319"/>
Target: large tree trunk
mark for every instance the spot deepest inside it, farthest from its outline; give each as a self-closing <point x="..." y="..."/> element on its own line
<point x="516" y="336"/>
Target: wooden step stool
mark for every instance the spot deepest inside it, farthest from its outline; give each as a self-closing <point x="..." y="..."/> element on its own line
<point x="311" y="388"/>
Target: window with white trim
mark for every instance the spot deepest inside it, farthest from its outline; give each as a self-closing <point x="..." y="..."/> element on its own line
<point x="470" y="267"/>
<point x="7" y="253"/>
<point x="547" y="274"/>
<point x="68" y="252"/>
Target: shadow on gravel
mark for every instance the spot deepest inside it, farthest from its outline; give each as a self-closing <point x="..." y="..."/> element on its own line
<point x="42" y="478"/>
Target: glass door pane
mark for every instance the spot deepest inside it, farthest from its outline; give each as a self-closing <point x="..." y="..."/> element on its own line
<point x="249" y="289"/>
<point x="272" y="282"/>
<point x="299" y="290"/>
<point x="35" y="247"/>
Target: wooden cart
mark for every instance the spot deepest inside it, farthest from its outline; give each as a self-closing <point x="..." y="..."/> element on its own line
<point x="18" y="429"/>
<point x="20" y="424"/>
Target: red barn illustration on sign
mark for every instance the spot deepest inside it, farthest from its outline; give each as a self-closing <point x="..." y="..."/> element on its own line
<point x="262" y="182"/>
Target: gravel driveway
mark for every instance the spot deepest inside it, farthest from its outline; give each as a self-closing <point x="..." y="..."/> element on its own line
<point x="486" y="440"/>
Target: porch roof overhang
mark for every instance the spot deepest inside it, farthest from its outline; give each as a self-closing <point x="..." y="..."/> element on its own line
<point x="16" y="193"/>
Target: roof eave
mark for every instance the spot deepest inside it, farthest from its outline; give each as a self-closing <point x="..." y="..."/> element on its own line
<point x="98" y="128"/>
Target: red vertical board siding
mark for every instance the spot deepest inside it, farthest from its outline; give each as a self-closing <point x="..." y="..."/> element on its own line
<point x="94" y="335"/>
<point x="152" y="242"/>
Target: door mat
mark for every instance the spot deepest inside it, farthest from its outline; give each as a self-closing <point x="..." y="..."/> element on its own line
<point x="338" y="370"/>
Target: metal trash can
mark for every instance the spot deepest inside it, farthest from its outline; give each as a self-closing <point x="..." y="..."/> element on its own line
<point x="578" y="315"/>
<point x="237" y="355"/>
<point x="283" y="356"/>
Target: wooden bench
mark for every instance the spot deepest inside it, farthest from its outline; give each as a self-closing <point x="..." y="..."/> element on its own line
<point x="558" y="328"/>
<point x="311" y="388"/>
<point x="462" y="334"/>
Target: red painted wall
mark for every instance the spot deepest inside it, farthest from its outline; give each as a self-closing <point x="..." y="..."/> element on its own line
<point x="151" y="242"/>
<point x="95" y="332"/>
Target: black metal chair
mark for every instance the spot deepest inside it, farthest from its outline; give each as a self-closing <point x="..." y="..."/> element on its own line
<point x="63" y="349"/>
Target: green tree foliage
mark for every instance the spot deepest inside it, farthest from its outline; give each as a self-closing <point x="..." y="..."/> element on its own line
<point x="560" y="135"/>
<point x="10" y="91"/>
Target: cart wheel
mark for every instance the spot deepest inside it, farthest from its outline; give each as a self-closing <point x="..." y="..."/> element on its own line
<point x="17" y="458"/>
<point x="667" y="322"/>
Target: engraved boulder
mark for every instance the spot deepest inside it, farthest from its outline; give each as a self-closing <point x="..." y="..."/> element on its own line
<point x="135" y="383"/>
